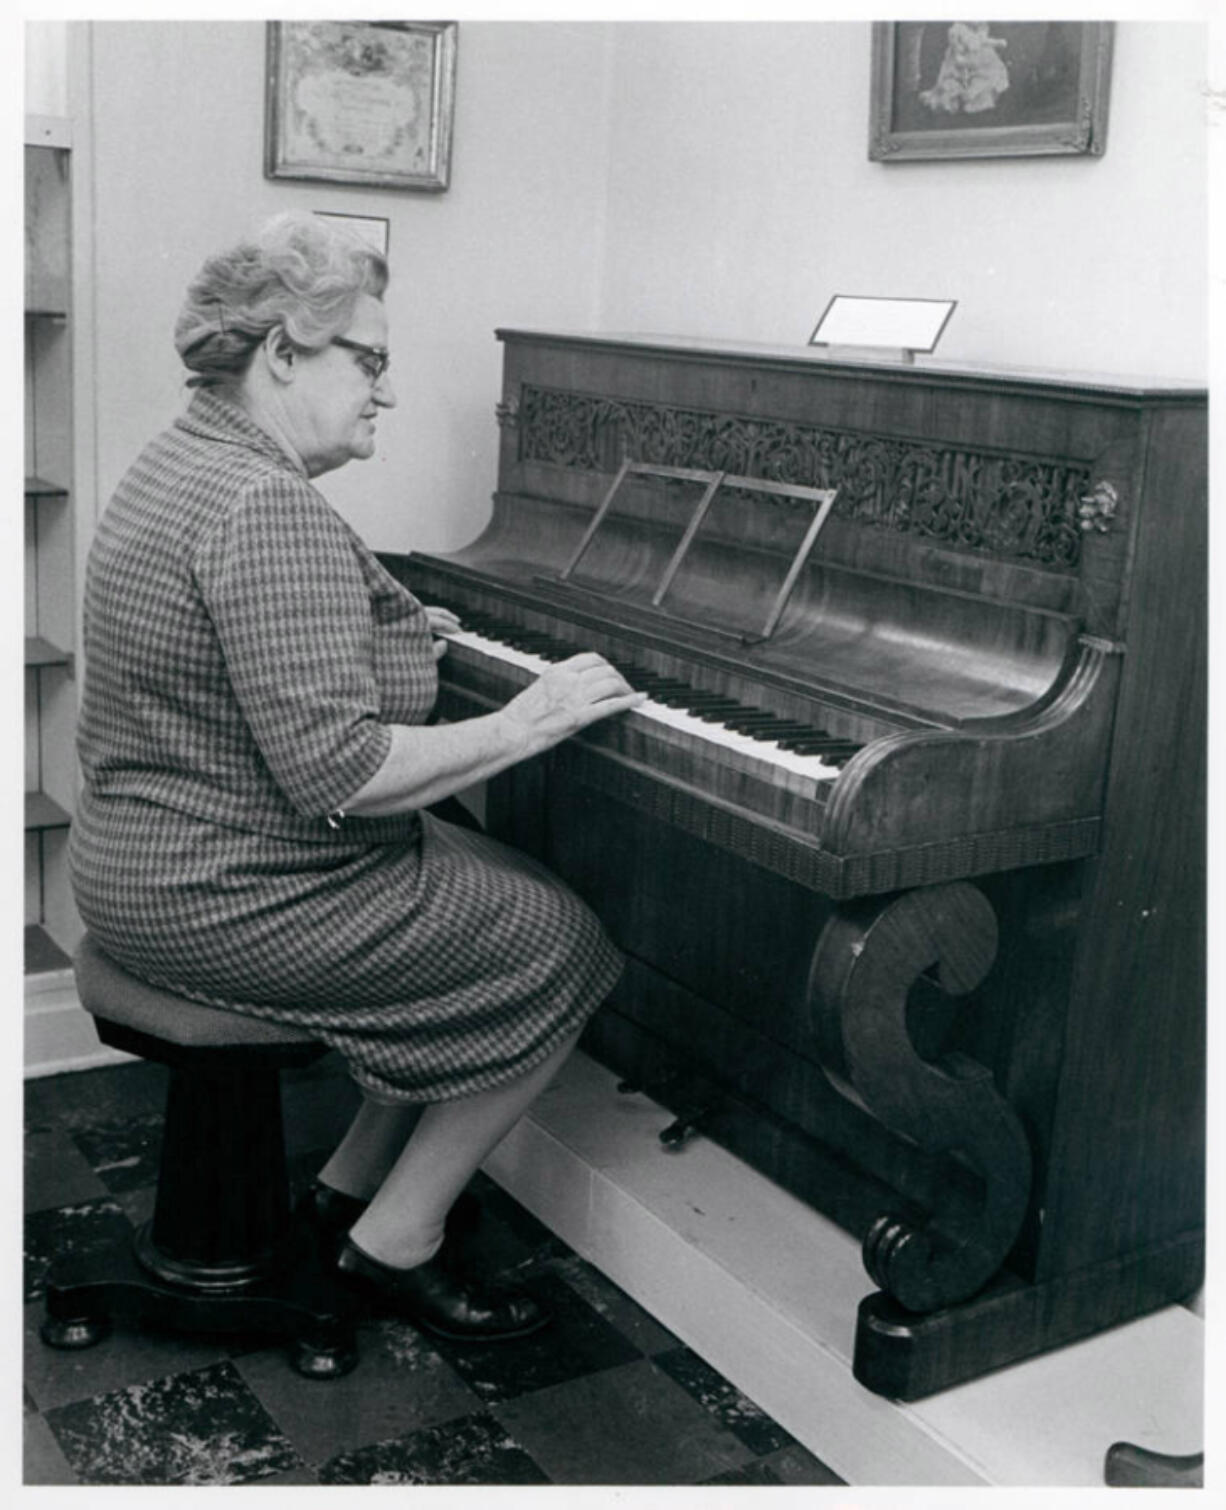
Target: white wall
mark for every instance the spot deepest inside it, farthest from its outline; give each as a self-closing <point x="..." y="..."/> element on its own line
<point x="46" y="76"/>
<point x="691" y="178"/>
<point x="178" y="132"/>
<point x="742" y="198"/>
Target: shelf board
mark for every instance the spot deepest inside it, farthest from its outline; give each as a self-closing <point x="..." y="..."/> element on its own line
<point x="39" y="487"/>
<point x="42" y="812"/>
<point x="40" y="652"/>
<point x="48" y="131"/>
<point x="42" y="953"/>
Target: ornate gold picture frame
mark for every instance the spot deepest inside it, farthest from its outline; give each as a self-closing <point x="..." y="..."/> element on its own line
<point x="361" y="102"/>
<point x="943" y="89"/>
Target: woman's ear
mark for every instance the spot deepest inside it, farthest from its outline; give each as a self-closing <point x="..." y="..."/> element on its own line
<point x="280" y="353"/>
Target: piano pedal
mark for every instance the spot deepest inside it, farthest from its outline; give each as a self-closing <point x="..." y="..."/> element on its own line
<point x="677" y="1134"/>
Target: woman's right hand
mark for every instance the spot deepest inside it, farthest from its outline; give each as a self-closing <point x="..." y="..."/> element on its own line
<point x="566" y="697"/>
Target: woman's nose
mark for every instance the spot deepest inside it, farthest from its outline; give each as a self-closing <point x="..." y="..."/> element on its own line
<point x="384" y="394"/>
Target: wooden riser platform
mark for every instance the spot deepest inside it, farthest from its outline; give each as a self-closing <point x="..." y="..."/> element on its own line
<point x="766" y="1290"/>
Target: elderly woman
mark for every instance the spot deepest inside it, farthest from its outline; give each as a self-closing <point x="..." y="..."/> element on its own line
<point x="257" y="761"/>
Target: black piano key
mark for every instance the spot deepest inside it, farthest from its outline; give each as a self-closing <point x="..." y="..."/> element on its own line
<point x="718" y="716"/>
<point x="714" y="707"/>
<point x="753" y="728"/>
<point x="799" y="742"/>
<point x="711" y="707"/>
<point x="785" y="729"/>
<point x="750" y="722"/>
<point x="823" y="747"/>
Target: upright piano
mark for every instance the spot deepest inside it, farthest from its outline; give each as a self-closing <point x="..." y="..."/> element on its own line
<point x="906" y="850"/>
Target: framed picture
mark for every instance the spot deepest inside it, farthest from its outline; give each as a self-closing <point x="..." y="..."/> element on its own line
<point x="361" y="102"/>
<point x="373" y="229"/>
<point x="949" y="89"/>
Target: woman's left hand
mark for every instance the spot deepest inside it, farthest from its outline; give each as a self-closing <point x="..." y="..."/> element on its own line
<point x="442" y="622"/>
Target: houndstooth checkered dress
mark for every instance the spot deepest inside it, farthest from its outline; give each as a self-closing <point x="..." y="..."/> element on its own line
<point x="246" y="654"/>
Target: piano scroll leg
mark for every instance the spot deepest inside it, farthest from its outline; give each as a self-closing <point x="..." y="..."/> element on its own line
<point x="868" y="958"/>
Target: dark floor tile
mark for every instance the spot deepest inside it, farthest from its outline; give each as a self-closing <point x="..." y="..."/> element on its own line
<point x="83" y="1228"/>
<point x="124" y="1152"/>
<point x="797" y="1465"/>
<point x="196" y="1428"/>
<point x="508" y="1237"/>
<point x="472" y="1450"/>
<point x="617" y="1308"/>
<point x="137" y="1204"/>
<point x="42" y="1459"/>
<point x="755" y="1474"/>
<point x="129" y="1355"/>
<point x="628" y="1425"/>
<point x="577" y="1341"/>
<point x="292" y="1477"/>
<point x="56" y="1172"/>
<point x="399" y="1385"/>
<point x="89" y="1096"/>
<point x="503" y="1209"/>
<point x="724" y="1401"/>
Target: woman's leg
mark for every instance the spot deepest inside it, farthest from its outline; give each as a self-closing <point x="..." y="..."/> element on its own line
<point x="365" y="1155"/>
<point x="403" y="1225"/>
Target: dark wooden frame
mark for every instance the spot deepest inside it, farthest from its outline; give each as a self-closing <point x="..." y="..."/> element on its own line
<point x="280" y="163"/>
<point x="1082" y="133"/>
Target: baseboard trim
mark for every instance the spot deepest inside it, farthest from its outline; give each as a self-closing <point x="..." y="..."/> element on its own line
<point x="59" y="1033"/>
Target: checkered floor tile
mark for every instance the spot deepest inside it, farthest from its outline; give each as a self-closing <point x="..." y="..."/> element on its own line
<point x="605" y="1395"/>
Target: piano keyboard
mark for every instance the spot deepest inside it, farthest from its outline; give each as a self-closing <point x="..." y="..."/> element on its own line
<point x="789" y="748"/>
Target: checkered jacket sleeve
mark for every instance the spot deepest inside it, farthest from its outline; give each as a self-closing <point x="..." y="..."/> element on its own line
<point x="291" y="609"/>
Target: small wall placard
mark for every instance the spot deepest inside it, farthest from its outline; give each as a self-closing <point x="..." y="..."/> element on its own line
<point x="906" y="325"/>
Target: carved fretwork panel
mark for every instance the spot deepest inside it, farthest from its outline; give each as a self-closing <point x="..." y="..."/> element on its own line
<point x="1013" y="506"/>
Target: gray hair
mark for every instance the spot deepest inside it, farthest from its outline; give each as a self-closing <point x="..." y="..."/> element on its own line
<point x="298" y="271"/>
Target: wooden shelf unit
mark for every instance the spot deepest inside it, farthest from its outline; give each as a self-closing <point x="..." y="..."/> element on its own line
<point x="42" y="955"/>
<point x="50" y="546"/>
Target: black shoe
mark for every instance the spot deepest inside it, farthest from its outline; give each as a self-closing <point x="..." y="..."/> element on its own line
<point x="331" y="1213"/>
<point x="438" y="1300"/>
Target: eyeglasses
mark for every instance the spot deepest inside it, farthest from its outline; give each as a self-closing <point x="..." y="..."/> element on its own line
<point x="373" y="360"/>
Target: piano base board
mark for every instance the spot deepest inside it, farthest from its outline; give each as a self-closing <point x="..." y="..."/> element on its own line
<point x="908" y="1357"/>
<point x="899" y="1354"/>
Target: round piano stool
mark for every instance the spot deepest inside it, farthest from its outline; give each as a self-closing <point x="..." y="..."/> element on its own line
<point x="222" y="1252"/>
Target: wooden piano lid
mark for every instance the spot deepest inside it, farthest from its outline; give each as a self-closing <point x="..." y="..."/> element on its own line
<point x="923" y="367"/>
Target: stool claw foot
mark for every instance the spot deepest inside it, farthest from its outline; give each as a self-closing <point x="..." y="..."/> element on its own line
<point x="70" y="1332"/>
<point x="319" y="1358"/>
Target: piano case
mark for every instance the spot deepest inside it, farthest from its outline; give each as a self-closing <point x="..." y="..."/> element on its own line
<point x="952" y="992"/>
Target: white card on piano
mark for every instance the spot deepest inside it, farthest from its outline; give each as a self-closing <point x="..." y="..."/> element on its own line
<point x="907" y="325"/>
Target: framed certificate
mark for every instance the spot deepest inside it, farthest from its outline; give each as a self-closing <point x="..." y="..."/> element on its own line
<point x="361" y="102"/>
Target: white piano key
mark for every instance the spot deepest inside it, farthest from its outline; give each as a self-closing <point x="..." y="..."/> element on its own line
<point x="810" y="766"/>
